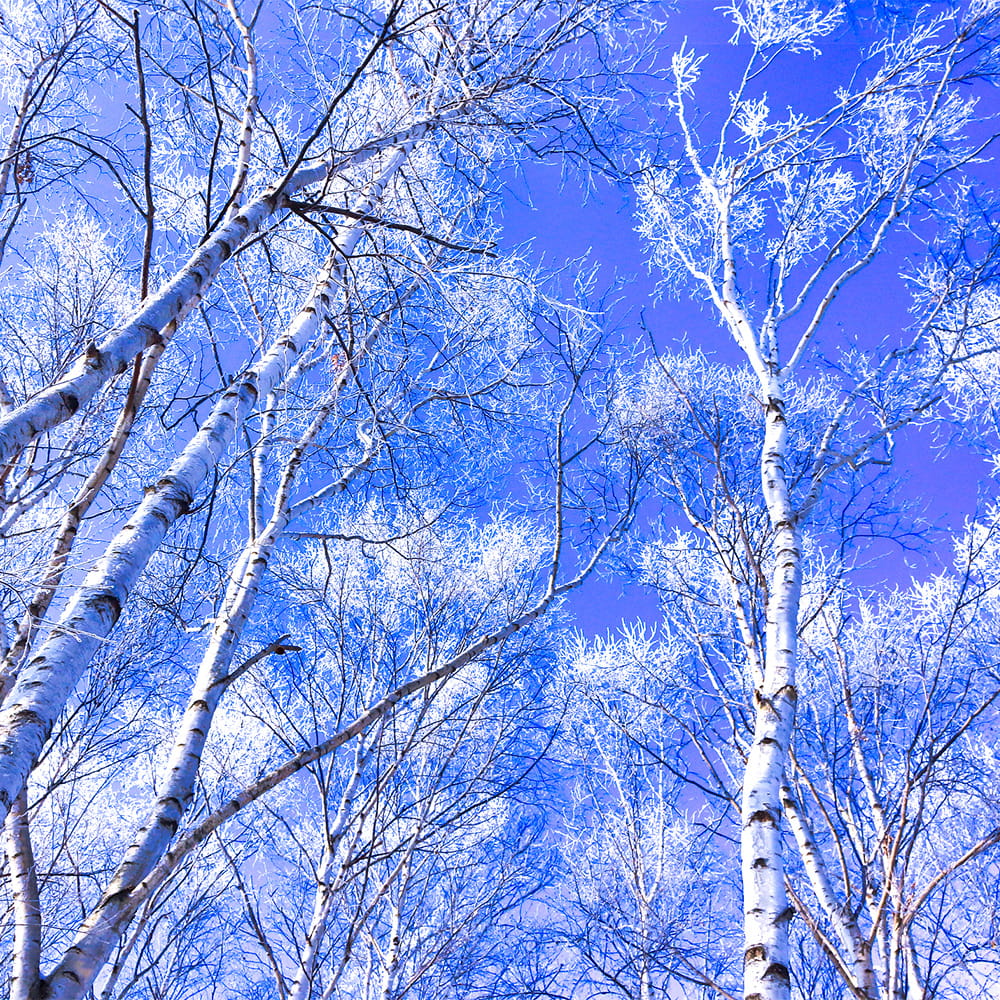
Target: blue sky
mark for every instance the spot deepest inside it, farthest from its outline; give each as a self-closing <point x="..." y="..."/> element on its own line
<point x="551" y="213"/>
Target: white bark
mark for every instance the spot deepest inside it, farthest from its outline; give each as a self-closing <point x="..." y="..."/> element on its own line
<point x="328" y="880"/>
<point x="24" y="982"/>
<point x="101" y="362"/>
<point x="47" y="680"/>
<point x="383" y="707"/>
<point x="73" y="518"/>
<point x="17" y="129"/>
<point x="853" y="943"/>
<point x="766" y="908"/>
<point x="105" y="925"/>
<point x="391" y="956"/>
<point x="170" y="304"/>
<point x="249" y="113"/>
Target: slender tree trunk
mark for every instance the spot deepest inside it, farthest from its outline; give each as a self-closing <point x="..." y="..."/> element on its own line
<point x="101" y="362"/>
<point x="852" y="941"/>
<point x="393" y="953"/>
<point x="49" y="678"/>
<point x="73" y="518"/>
<point x="328" y="880"/>
<point x="190" y="841"/>
<point x="767" y="911"/>
<point x="24" y="981"/>
<point x="105" y="925"/>
<point x="17" y="129"/>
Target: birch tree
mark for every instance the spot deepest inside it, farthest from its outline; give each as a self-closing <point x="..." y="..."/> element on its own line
<point x="771" y="218"/>
<point x="286" y="328"/>
<point x="646" y="902"/>
<point x="890" y="814"/>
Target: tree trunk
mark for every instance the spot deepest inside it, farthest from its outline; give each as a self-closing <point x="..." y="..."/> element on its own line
<point x="49" y="678"/>
<point x="765" y="903"/>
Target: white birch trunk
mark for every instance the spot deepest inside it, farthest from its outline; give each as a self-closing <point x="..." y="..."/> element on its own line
<point x="328" y="882"/>
<point x="49" y="678"/>
<point x="197" y="836"/>
<point x="73" y="518"/>
<point x="914" y="987"/>
<point x="766" y="908"/>
<point x="391" y="956"/>
<point x="102" y="930"/>
<point x="383" y="707"/>
<point x="765" y="903"/>
<point x="101" y="362"/>
<point x="854" y="944"/>
<point x="110" y="984"/>
<point x="27" y="951"/>
<point x="17" y="129"/>
<point x="114" y="912"/>
<point x="170" y="304"/>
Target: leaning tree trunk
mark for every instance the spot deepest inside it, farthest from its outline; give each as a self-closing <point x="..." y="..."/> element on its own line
<point x="47" y="680"/>
<point x="168" y="306"/>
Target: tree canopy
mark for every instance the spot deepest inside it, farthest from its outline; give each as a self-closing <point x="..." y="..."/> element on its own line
<point x="307" y="475"/>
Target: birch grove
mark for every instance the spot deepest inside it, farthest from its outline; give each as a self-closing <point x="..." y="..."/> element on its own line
<point x="255" y="361"/>
<point x="315" y="496"/>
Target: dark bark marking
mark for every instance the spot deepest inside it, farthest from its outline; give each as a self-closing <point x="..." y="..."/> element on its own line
<point x="755" y="953"/>
<point x="778" y="971"/>
<point x="21" y="716"/>
<point x="117" y="898"/>
<point x="106" y="604"/>
<point x="762" y="816"/>
<point x="170" y="825"/>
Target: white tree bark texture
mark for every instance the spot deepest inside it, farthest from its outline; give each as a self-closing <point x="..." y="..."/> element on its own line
<point x="102" y="362"/>
<point x="854" y="945"/>
<point x="48" y="679"/>
<point x="766" y="907"/>
<point x="27" y="949"/>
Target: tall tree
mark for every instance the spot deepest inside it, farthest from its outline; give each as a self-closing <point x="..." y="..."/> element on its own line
<point x="771" y="218"/>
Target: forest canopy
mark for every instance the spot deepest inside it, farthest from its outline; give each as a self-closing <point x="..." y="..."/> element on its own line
<point x="317" y="490"/>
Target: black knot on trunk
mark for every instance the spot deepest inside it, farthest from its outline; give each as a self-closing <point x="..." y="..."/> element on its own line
<point x="777" y="971"/>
